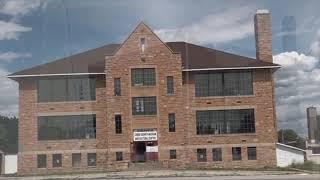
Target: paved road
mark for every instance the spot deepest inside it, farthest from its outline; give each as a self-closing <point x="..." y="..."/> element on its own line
<point x="269" y="177"/>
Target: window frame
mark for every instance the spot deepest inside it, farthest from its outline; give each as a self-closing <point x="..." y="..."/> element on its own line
<point x="170" y="85"/>
<point x="119" y="156"/>
<point x="67" y="95"/>
<point x="173" y="153"/>
<point x="216" y="154"/>
<point x="43" y="163"/>
<point x="211" y="88"/>
<point x="140" y="75"/>
<point x="94" y="155"/>
<point x="147" y="106"/>
<point x="236" y="154"/>
<point x="117" y="87"/>
<point x="202" y="151"/>
<point x="172" y="122"/>
<point x="230" y="121"/>
<point x="87" y="130"/>
<point x="252" y="155"/>
<point x="74" y="157"/>
<point x="56" y="157"/>
<point x="118" y="123"/>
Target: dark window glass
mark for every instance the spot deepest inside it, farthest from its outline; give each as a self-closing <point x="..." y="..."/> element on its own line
<point x="118" y="124"/>
<point x="66" y="127"/>
<point x="252" y="153"/>
<point x="42" y="161"/>
<point x="119" y="156"/>
<point x="315" y="150"/>
<point x="117" y="87"/>
<point x="172" y="122"/>
<point x="57" y="160"/>
<point x="170" y="85"/>
<point x="223" y="84"/>
<point x="66" y="89"/>
<point x="144" y="106"/>
<point x="76" y="159"/>
<point x="202" y="155"/>
<point x="216" y="154"/>
<point x="225" y="121"/>
<point x="173" y="154"/>
<point x="143" y="77"/>
<point x="92" y="159"/>
<point x="236" y="153"/>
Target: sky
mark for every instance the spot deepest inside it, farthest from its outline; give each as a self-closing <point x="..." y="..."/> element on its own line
<point x="39" y="31"/>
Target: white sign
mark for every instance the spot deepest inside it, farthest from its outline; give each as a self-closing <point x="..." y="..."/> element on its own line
<point x="152" y="149"/>
<point x="145" y="135"/>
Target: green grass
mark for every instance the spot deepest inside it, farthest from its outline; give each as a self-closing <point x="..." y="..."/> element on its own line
<point x="308" y="166"/>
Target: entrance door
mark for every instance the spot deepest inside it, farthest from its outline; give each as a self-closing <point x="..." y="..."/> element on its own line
<point x="140" y="152"/>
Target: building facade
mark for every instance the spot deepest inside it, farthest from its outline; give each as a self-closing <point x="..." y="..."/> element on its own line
<point x="175" y="104"/>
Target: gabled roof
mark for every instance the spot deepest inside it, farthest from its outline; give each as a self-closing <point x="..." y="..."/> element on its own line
<point x="290" y="147"/>
<point x="194" y="58"/>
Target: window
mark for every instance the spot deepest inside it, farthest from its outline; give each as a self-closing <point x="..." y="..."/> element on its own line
<point x="172" y="122"/>
<point x="236" y="153"/>
<point x="252" y="153"/>
<point x="223" y="84"/>
<point x="118" y="156"/>
<point x="202" y="155"/>
<point x="67" y="127"/>
<point x="315" y="150"/>
<point x="143" y="77"/>
<point x="56" y="160"/>
<point x="144" y="105"/>
<point x="66" y="89"/>
<point x="76" y="159"/>
<point x="117" y="87"/>
<point x="225" y="121"/>
<point x="216" y="154"/>
<point x="173" y="154"/>
<point x="92" y="159"/>
<point x="142" y="44"/>
<point x="118" y="124"/>
<point x="170" y="85"/>
<point x="42" y="160"/>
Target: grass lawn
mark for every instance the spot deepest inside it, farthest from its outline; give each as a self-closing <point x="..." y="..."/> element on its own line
<point x="308" y="165"/>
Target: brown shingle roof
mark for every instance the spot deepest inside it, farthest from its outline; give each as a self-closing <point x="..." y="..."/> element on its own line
<point x="193" y="57"/>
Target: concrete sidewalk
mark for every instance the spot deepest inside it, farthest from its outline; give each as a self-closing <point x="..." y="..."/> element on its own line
<point x="157" y="174"/>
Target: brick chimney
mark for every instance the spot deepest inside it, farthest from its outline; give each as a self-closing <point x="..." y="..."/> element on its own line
<point x="263" y="35"/>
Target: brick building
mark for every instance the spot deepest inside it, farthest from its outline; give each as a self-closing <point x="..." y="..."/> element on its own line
<point x="173" y="105"/>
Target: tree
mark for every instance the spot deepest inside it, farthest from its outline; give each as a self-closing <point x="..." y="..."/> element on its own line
<point x="3" y="137"/>
<point x="290" y="137"/>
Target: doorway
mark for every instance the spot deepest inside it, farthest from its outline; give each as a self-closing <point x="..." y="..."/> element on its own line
<point x="140" y="151"/>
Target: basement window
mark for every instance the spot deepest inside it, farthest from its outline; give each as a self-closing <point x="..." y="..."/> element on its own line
<point x="76" y="159"/>
<point x="57" y="160"/>
<point x="252" y="153"/>
<point x="202" y="155"/>
<point x="119" y="156"/>
<point x="216" y="154"/>
<point x="173" y="154"/>
<point x="236" y="153"/>
<point x="42" y="161"/>
<point x="92" y="159"/>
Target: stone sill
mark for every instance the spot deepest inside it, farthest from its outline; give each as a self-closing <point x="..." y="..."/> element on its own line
<point x="66" y="102"/>
<point x="65" y="141"/>
<point x="226" y="135"/>
<point x="221" y="97"/>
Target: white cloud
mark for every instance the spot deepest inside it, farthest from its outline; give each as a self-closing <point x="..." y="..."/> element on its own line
<point x="297" y="87"/>
<point x="11" y="30"/>
<point x="225" y="26"/>
<point x="8" y="94"/>
<point x="11" y="56"/>
<point x="20" y="7"/>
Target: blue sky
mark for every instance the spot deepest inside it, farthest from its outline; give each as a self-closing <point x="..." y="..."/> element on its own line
<point x="39" y="31"/>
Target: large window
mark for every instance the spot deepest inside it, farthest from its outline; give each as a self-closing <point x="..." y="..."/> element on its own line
<point x="143" y="77"/>
<point x="223" y="84"/>
<point x="66" y="127"/>
<point x="225" y="121"/>
<point x="66" y="89"/>
<point x="144" y="105"/>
